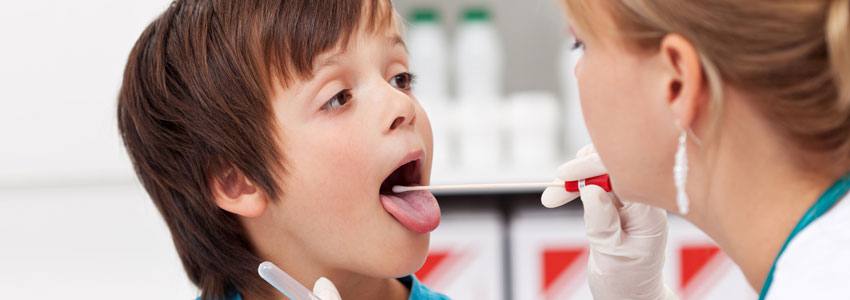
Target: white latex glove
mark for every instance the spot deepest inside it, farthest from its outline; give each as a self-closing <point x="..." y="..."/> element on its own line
<point x="627" y="240"/>
<point x="325" y="289"/>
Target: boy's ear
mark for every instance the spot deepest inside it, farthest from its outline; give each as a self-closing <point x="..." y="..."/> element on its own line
<point x="234" y="192"/>
<point x="685" y="85"/>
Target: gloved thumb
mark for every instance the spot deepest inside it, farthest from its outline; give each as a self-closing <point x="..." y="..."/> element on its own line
<point x="325" y="290"/>
<point x="601" y="217"/>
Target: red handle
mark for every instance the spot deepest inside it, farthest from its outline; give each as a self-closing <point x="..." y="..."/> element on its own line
<point x="602" y="181"/>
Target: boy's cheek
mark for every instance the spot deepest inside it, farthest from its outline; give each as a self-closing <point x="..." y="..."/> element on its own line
<point x="336" y="158"/>
<point x="424" y="129"/>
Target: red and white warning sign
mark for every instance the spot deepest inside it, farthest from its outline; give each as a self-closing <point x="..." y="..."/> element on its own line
<point x="549" y="256"/>
<point x="562" y="270"/>
<point x="466" y="260"/>
<point x="548" y="259"/>
<point x="698" y="269"/>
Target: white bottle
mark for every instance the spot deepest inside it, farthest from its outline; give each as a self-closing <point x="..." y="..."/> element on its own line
<point x="576" y="130"/>
<point x="534" y="119"/>
<point x="426" y="41"/>
<point x="478" y="56"/>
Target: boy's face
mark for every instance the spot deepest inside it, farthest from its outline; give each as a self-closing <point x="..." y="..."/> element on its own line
<point x="344" y="132"/>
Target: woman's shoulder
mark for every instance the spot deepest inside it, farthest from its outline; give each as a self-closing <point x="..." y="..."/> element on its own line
<point x="816" y="263"/>
<point x="831" y="229"/>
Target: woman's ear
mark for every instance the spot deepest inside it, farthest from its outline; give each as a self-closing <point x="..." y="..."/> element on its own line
<point x="234" y="192"/>
<point x="685" y="87"/>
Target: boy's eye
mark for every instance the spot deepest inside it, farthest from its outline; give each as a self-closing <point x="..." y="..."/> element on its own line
<point x="338" y="100"/>
<point x="403" y="81"/>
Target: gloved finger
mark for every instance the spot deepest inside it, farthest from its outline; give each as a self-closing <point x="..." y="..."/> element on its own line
<point x="586" y="150"/>
<point x="557" y="196"/>
<point x="582" y="168"/>
<point x="640" y="219"/>
<point x="601" y="216"/>
<point x="325" y="290"/>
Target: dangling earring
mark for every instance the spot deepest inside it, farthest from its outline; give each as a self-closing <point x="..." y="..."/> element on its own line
<point x="680" y="174"/>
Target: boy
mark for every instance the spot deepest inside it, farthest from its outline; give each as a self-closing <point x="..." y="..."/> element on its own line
<point x="274" y="130"/>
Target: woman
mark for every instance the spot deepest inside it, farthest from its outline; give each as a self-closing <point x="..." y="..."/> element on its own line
<point x="734" y="114"/>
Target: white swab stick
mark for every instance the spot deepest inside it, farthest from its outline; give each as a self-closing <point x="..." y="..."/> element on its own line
<point x="478" y="187"/>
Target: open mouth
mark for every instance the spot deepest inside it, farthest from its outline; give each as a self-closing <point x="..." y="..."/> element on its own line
<point x="417" y="211"/>
<point x="408" y="174"/>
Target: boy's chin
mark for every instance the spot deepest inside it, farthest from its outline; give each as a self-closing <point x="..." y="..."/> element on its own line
<point x="407" y="262"/>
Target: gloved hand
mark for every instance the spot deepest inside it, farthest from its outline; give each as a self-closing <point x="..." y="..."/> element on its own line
<point x="325" y="289"/>
<point x="627" y="240"/>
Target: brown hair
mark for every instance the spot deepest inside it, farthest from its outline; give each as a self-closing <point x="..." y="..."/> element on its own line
<point x="195" y="102"/>
<point x="792" y="56"/>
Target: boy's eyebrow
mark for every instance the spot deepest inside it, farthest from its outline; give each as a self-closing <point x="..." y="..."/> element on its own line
<point x="396" y="40"/>
<point x="328" y="61"/>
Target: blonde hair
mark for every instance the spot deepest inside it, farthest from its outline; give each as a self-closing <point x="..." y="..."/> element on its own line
<point x="792" y="56"/>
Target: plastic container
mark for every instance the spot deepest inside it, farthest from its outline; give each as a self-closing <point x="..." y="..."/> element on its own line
<point x="576" y="131"/>
<point x="534" y="122"/>
<point x="479" y="57"/>
<point x="478" y="73"/>
<point x="428" y="47"/>
<point x="480" y="137"/>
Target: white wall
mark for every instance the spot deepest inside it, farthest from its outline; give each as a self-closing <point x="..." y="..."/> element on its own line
<point x="74" y="223"/>
<point x="62" y="63"/>
<point x="86" y="243"/>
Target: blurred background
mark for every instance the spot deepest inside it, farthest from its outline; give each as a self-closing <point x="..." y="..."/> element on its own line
<point x="494" y="75"/>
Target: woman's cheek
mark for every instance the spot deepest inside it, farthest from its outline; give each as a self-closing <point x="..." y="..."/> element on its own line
<point x="578" y="67"/>
<point x="588" y="95"/>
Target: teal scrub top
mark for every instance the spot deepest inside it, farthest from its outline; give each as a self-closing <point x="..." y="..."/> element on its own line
<point x="826" y="201"/>
<point x="418" y="291"/>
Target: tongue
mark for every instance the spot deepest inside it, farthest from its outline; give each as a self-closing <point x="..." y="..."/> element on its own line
<point x="418" y="210"/>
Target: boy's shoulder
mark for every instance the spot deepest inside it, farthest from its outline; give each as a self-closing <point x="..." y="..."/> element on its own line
<point x="231" y="296"/>
<point x="419" y="291"/>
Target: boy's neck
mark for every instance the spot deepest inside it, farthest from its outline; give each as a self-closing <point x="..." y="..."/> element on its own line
<point x="349" y="287"/>
<point x="390" y="289"/>
<point x="298" y="263"/>
<point x="371" y="288"/>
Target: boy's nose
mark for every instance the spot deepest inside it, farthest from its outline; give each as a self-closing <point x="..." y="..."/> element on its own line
<point x="397" y="122"/>
<point x="403" y="111"/>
